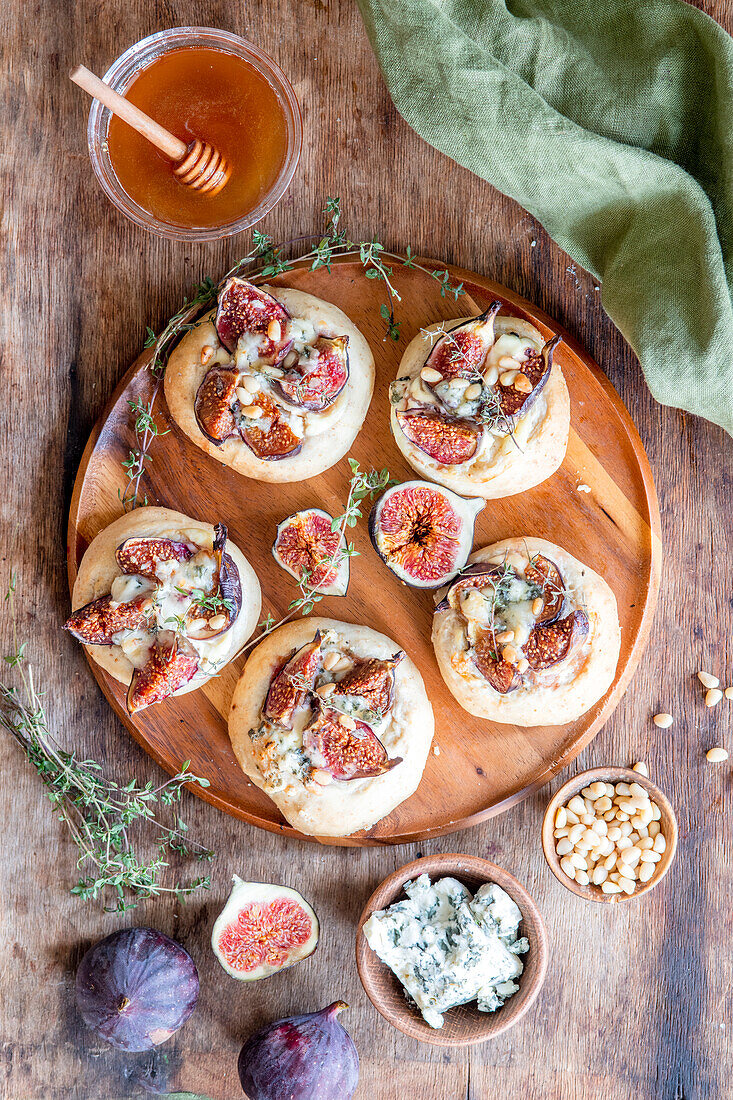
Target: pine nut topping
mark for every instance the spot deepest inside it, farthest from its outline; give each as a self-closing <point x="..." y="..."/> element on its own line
<point x="523" y="665"/>
<point x="253" y="412"/>
<point x="217" y="622"/>
<point x="641" y="768"/>
<point x="251" y="384"/>
<point x="509" y="654"/>
<point x="325" y="690"/>
<point x="708" y="680"/>
<point x="274" y="331"/>
<point x="522" y="383"/>
<point x="431" y="375"/>
<point x="207" y="354"/>
<point x="507" y="378"/>
<point x="728" y="693"/>
<point x="321" y="777"/>
<point x="472" y="392"/>
<point x="537" y="606"/>
<point x="717" y="754"/>
<point x="331" y="660"/>
<point x="505" y="636"/>
<point x="347" y="722"/>
<point x="492" y="376"/>
<point x="506" y="362"/>
<point x="663" y="720"/>
<point x="713" y="697"/>
<point x="196" y="625"/>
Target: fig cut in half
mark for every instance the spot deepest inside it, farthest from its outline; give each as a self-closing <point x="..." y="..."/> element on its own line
<point x="548" y="645"/>
<point x="97" y="622"/>
<point x="246" y="310"/>
<point x="142" y="555"/>
<point x="423" y="533"/>
<point x="346" y="753"/>
<point x="270" y="436"/>
<point x="446" y="439"/>
<point x="305" y="543"/>
<point x="372" y="680"/>
<point x="215" y="402"/>
<point x="461" y="352"/>
<point x="477" y="575"/>
<point x="172" y="663"/>
<point x="262" y="929"/>
<point x="536" y="368"/>
<point x="314" y="382"/>
<point x="501" y="675"/>
<point x="546" y="575"/>
<point x="291" y="683"/>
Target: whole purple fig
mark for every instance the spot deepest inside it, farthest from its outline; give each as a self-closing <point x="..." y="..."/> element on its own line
<point x="310" y="1057"/>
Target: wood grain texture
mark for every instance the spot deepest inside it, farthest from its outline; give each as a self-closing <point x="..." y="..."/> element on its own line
<point x="637" y="1000"/>
<point x="482" y="767"/>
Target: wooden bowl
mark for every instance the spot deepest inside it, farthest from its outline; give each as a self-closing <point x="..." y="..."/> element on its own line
<point x="667" y="822"/>
<point x="465" y="1025"/>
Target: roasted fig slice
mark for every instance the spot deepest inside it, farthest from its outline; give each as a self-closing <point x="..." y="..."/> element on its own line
<point x="142" y="556"/>
<point x="461" y="352"/>
<point x="477" y="575"/>
<point x="269" y="437"/>
<point x="215" y="611"/>
<point x="372" y="680"/>
<point x="291" y="682"/>
<point x="345" y="753"/>
<point x="319" y="376"/>
<point x="447" y="439"/>
<point x="172" y="663"/>
<point x="422" y="532"/>
<point x="547" y="645"/>
<point x="536" y="368"/>
<point x="246" y="310"/>
<point x="545" y="574"/>
<point x="501" y="675"/>
<point x="305" y="543"/>
<point x="215" y="402"/>
<point x="263" y="929"/>
<point x="98" y="621"/>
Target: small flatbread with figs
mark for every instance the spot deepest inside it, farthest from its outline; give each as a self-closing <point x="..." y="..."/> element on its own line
<point x="331" y="720"/>
<point x="527" y="634"/>
<point x="274" y="383"/>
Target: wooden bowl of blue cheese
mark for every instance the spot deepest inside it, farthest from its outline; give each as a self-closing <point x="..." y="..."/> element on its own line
<point x="451" y="950"/>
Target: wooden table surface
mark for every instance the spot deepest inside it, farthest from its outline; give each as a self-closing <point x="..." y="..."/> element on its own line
<point x="638" y="997"/>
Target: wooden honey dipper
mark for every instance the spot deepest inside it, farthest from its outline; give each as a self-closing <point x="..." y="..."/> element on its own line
<point x="198" y="165"/>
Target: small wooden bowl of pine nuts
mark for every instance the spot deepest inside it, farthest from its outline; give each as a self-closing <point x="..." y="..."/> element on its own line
<point x="611" y="851"/>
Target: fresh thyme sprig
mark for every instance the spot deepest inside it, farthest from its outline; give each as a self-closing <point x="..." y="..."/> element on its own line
<point x="99" y="812"/>
<point x="145" y="431"/>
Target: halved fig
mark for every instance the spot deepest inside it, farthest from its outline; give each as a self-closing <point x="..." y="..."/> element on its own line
<point x="97" y="622"/>
<point x="461" y="352"/>
<point x="246" y="310"/>
<point x="422" y="532"/>
<point x="547" y="645"/>
<point x="224" y="597"/>
<point x="478" y="575"/>
<point x="292" y="681"/>
<point x="172" y="663"/>
<point x="215" y="402"/>
<point x="546" y="575"/>
<point x="447" y="439"/>
<point x="536" y="367"/>
<point x="274" y="439"/>
<point x="371" y="679"/>
<point x="263" y="929"/>
<point x="305" y="543"/>
<point x="319" y="376"/>
<point x="501" y="675"/>
<point x="142" y="556"/>
<point x="344" y="753"/>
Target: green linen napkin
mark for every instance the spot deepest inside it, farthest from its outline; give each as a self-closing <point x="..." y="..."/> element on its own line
<point x="611" y="121"/>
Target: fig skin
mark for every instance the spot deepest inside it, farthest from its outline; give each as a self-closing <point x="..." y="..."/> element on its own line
<point x="244" y="308"/>
<point x="475" y="338"/>
<point x="172" y="663"/>
<point x="214" y="403"/>
<point x="227" y="583"/>
<point x="444" y="438"/>
<point x="97" y="622"/>
<point x="316" y="389"/>
<point x="306" y="538"/>
<point x="308" y="1057"/>
<point x="136" y="988"/>
<point x="347" y="754"/>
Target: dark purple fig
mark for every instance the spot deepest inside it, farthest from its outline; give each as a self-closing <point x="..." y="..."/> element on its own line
<point x="545" y="574"/>
<point x="342" y="752"/>
<point x="142" y="556"/>
<point x="477" y="575"/>
<point x="461" y="352"/>
<point x="263" y="929"/>
<point x="216" y="399"/>
<point x="136" y="988"/>
<point x="445" y="438"/>
<point x="536" y="369"/>
<point x="306" y="543"/>
<point x="220" y="605"/>
<point x="245" y="310"/>
<point x="99" y="621"/>
<point x="320" y="374"/>
<point x="422" y="532"/>
<point x="292" y="682"/>
<point x="547" y="645"/>
<point x="309" y="1057"/>
<point x="269" y="437"/>
<point x="500" y="674"/>
<point x="172" y="663"/>
<point x="371" y="679"/>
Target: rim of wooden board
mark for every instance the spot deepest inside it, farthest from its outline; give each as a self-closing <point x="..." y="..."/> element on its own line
<point x="615" y="429"/>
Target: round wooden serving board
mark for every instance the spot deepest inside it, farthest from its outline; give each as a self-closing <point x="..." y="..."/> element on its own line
<point x="482" y="767"/>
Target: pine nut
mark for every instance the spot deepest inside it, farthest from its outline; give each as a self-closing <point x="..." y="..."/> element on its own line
<point x="656" y="812"/>
<point x="251" y="384"/>
<point x="646" y="843"/>
<point x="614" y="833"/>
<point x="274" y="331"/>
<point x="207" y="354"/>
<point x="610" y="888"/>
<point x="621" y="815"/>
<point x="576" y="833"/>
<point x="217" y="622"/>
<point x="572" y="817"/>
<point x="472" y="392"/>
<point x="507" y="378"/>
<point x="196" y="625"/>
<point x="321" y="777"/>
<point x="636" y="790"/>
<point x="599" y="876"/>
<point x="577" y="805"/>
<point x="598" y="790"/>
<point x="728" y="693"/>
<point x="713" y="697"/>
<point x="600" y="827"/>
<point x="588" y="819"/>
<point x="603" y="803"/>
<point x="325" y="690"/>
<point x="564" y="846"/>
<point x="626" y="829"/>
<point x="509" y="363"/>
<point x="627" y="885"/>
<point x="274" y="372"/>
<point x="624" y="843"/>
<point x="568" y="867"/>
<point x="717" y="754"/>
<point x="660" y="844"/>
<point x="654" y="829"/>
<point x="578" y="861"/>
<point x="609" y="815"/>
<point x="561" y="818"/>
<point x="539" y="603"/>
<point x="646" y="871"/>
<point x="492" y="376"/>
<point x="522" y="665"/>
<point x="558" y="833"/>
<point x="522" y="383"/>
<point x="586" y="793"/>
<point x="343" y="663"/>
<point x="347" y="722"/>
<point x="663" y="720"/>
<point x="505" y="636"/>
<point x="650" y="857"/>
<point x="610" y="790"/>
<point x="707" y="680"/>
<point x="630" y="854"/>
<point x="253" y="412"/>
<point x="641" y="767"/>
<point x="582" y="878"/>
<point x="431" y="375"/>
<point x="331" y="660"/>
<point x="610" y="861"/>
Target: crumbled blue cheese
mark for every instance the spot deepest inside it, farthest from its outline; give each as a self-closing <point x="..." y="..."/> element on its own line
<point x="448" y="948"/>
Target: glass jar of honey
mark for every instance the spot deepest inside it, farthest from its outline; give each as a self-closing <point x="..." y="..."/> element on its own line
<point x="201" y="83"/>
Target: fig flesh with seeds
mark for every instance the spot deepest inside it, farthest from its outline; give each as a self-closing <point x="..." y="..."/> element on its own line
<point x="98" y="622"/>
<point x="536" y="367"/>
<point x="308" y="1057"/>
<point x="292" y="682"/>
<point x="423" y="533"/>
<point x="244" y="310"/>
<point x="142" y="556"/>
<point x="306" y="544"/>
<point x="344" y="753"/>
<point x="446" y="439"/>
<point x="501" y="675"/>
<point x="172" y="663"/>
<point x="317" y="378"/>
<point x="372" y="680"/>
<point x="549" y="644"/>
<point x="214" y="404"/>
<point x="461" y="352"/>
<point x="269" y="437"/>
<point x="263" y="929"/>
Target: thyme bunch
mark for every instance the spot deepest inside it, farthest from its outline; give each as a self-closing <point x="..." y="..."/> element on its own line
<point x="99" y="812"/>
